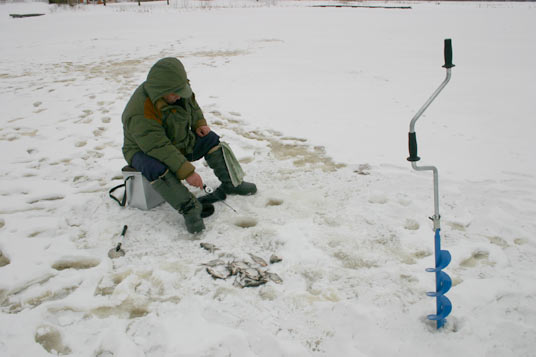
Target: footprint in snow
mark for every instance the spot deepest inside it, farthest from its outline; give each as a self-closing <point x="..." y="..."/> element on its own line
<point x="476" y="258"/>
<point x="36" y="294"/>
<point x="129" y="309"/>
<point x="378" y="199"/>
<point x="3" y="260"/>
<point x="85" y="113"/>
<point x="107" y="284"/>
<point x="78" y="263"/>
<point x="50" y="338"/>
<point x="520" y="241"/>
<point x="274" y="202"/>
<point x="457" y="226"/>
<point x="99" y="131"/>
<point x="246" y="160"/>
<point x="498" y="241"/>
<point x="52" y="197"/>
<point x="411" y="225"/>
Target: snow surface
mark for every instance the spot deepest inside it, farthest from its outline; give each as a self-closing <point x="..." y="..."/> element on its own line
<point x="316" y="103"/>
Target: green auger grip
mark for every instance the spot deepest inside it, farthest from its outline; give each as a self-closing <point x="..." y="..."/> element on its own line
<point x="413" y="147"/>
<point x="448" y="54"/>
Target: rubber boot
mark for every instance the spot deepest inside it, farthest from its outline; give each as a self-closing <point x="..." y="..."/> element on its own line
<point x="181" y="199"/>
<point x="216" y="162"/>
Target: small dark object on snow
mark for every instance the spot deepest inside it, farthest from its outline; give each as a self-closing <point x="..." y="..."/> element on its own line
<point x="18" y="16"/>
<point x="237" y="266"/>
<point x="275" y="259"/>
<point x="248" y="283"/>
<point x="252" y="273"/>
<point x="208" y="246"/>
<point x="219" y="272"/>
<point x="367" y="6"/>
<point x="214" y="263"/>
<point x="274" y="277"/>
<point x="363" y="169"/>
<point x="258" y="260"/>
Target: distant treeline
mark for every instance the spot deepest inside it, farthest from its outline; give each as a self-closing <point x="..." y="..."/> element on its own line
<point x="73" y="2"/>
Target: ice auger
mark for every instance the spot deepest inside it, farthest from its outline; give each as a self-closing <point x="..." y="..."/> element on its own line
<point x="442" y="257"/>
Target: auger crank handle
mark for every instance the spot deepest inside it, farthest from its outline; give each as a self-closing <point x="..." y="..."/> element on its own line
<point x="448" y="54"/>
<point x="412" y="143"/>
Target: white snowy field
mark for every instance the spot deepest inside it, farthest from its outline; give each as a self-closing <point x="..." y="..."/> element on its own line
<point x="316" y="103"/>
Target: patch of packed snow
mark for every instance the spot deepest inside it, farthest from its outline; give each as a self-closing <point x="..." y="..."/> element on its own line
<point x="316" y="104"/>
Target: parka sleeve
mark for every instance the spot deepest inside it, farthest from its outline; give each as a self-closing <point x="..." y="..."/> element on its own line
<point x="199" y="118"/>
<point x="151" y="138"/>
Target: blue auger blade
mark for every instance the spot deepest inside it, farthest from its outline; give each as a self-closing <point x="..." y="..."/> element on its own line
<point x="444" y="261"/>
<point x="444" y="283"/>
<point x="444" y="307"/>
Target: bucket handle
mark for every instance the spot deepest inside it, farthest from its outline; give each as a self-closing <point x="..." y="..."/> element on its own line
<point x="123" y="201"/>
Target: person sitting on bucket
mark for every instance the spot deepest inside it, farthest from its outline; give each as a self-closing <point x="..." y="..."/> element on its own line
<point x="164" y="130"/>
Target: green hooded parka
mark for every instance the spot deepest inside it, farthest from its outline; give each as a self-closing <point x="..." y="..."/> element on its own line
<point x="161" y="130"/>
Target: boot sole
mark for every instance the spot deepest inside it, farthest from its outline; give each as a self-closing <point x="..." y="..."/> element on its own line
<point x="208" y="210"/>
<point x="194" y="230"/>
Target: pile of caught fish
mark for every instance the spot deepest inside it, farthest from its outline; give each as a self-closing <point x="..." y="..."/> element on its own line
<point x="246" y="273"/>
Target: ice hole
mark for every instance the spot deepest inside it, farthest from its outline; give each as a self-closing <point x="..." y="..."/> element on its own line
<point x="246" y="222"/>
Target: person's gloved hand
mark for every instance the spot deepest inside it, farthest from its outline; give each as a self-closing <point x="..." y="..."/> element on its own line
<point x="202" y="130"/>
<point x="195" y="180"/>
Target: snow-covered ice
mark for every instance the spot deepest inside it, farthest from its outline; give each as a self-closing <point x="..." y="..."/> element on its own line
<point x="316" y="103"/>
